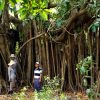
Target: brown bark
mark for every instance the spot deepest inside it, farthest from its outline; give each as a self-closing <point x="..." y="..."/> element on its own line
<point x="14" y="20"/>
<point x="47" y="57"/>
<point x="29" y="64"/>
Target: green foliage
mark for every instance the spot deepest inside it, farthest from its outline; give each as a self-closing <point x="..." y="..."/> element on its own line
<point x="12" y="2"/>
<point x="28" y="9"/>
<point x="49" y="94"/>
<point x="63" y="97"/>
<point x="2" y="3"/>
<point x="20" y="95"/>
<point x="65" y="6"/>
<point x="59" y="22"/>
<point x="53" y="84"/>
<point x="94" y="8"/>
<point x="94" y="26"/>
<point x="62" y="10"/>
<point x="44" y="95"/>
<point x="17" y="48"/>
<point x="91" y="94"/>
<point x="44" y="15"/>
<point x="49" y="91"/>
<point x="84" y="65"/>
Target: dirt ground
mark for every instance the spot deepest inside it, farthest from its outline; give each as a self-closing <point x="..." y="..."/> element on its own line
<point x="71" y="96"/>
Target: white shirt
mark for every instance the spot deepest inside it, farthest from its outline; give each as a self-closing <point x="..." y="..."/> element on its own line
<point x="37" y="73"/>
<point x="11" y="73"/>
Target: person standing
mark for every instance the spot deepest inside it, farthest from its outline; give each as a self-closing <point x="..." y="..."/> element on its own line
<point x="37" y="77"/>
<point x="13" y="58"/>
<point x="12" y="73"/>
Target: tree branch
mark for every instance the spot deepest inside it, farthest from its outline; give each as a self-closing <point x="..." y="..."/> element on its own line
<point x="29" y="41"/>
<point x="71" y="19"/>
<point x="14" y="20"/>
<point x="68" y="25"/>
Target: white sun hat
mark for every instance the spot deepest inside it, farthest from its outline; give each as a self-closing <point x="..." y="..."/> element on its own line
<point x="12" y="56"/>
<point x="11" y="63"/>
<point x="37" y="63"/>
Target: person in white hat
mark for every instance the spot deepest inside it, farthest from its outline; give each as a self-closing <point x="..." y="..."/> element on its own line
<point x="37" y="77"/>
<point x="12" y="73"/>
<point x="12" y="56"/>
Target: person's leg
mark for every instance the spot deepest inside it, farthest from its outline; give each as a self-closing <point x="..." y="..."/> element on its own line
<point x="10" y="88"/>
<point x="37" y="85"/>
<point x="12" y="85"/>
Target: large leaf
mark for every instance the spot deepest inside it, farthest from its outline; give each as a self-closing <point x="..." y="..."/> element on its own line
<point x="48" y="10"/>
<point x="44" y="15"/>
<point x="22" y="13"/>
<point x="32" y="8"/>
<point x="2" y="3"/>
<point x="34" y="4"/>
<point x="34" y="12"/>
<point x="84" y="65"/>
<point x="23" y="16"/>
<point x="43" y="4"/>
<point x="82" y="70"/>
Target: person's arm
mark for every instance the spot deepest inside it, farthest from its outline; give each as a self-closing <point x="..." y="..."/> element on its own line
<point x="33" y="79"/>
<point x="40" y="75"/>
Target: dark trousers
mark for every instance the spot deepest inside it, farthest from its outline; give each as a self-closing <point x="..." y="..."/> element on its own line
<point x="37" y="85"/>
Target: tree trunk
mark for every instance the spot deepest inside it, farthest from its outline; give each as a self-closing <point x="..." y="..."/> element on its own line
<point x="30" y="56"/>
